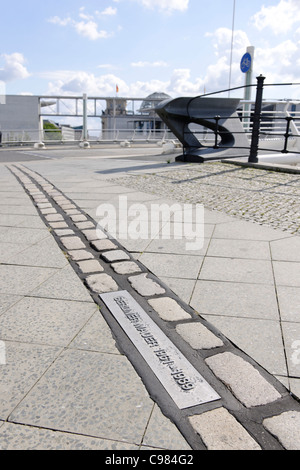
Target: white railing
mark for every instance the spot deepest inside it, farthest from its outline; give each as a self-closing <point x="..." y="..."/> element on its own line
<point x="60" y="136"/>
<point x="273" y="128"/>
<point x="273" y="125"/>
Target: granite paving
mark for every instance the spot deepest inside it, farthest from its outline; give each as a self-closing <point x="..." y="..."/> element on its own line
<point x="71" y="378"/>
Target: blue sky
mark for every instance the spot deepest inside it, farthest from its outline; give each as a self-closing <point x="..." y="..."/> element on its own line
<point x="181" y="47"/>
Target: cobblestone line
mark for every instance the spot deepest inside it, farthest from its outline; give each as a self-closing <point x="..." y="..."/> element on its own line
<point x="255" y="410"/>
<point x="252" y="194"/>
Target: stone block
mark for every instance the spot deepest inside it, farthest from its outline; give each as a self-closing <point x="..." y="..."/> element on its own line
<point x="49" y="210"/>
<point x="94" y="234"/>
<point x="79" y="255"/>
<point x="72" y="243"/>
<point x="58" y="225"/>
<point x="219" y="430"/>
<point x="84" y="225"/>
<point x="198" y="336"/>
<point x="126" y="267"/>
<point x="117" y="255"/>
<point x="62" y="232"/>
<point x="246" y="383"/>
<point x="101" y="283"/>
<point x="54" y="218"/>
<point x="78" y="217"/>
<point x="145" y="286"/>
<point x="103" y="245"/>
<point x="44" y="205"/>
<point x="168" y="309"/>
<point x="90" y="266"/>
<point x="286" y="427"/>
<point x="67" y="206"/>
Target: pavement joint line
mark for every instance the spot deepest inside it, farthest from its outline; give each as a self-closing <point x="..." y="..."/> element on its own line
<point x="249" y="412"/>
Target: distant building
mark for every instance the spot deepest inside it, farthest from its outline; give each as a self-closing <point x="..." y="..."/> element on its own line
<point x="119" y="122"/>
<point x="20" y="115"/>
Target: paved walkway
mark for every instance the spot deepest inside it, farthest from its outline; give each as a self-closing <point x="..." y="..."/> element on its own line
<point x="71" y="377"/>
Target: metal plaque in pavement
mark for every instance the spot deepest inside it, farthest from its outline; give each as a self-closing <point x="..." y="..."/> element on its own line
<point x="181" y="380"/>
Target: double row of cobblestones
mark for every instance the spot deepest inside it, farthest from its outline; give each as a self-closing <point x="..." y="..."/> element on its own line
<point x="262" y="196"/>
<point x="255" y="411"/>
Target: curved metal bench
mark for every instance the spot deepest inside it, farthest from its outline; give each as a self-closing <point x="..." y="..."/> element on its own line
<point x="217" y="114"/>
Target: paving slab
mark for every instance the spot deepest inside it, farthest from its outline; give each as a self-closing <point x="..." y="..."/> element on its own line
<point x="248" y="249"/>
<point x="183" y="266"/>
<point x="43" y="253"/>
<point x="45" y="321"/>
<point x="87" y="404"/>
<point x="236" y="299"/>
<point x="237" y="270"/>
<point x="22" y="280"/>
<point x="95" y="336"/>
<point x="161" y="433"/>
<point x="62" y="285"/>
<point x="6" y="300"/>
<point x="287" y="273"/>
<point x="286" y="249"/>
<point x="18" y="437"/>
<point x="265" y="344"/>
<point x="22" y="235"/>
<point x="289" y="303"/>
<point x="25" y="363"/>
<point x="244" y="230"/>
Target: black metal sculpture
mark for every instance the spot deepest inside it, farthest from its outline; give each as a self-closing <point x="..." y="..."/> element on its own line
<point x="217" y="114"/>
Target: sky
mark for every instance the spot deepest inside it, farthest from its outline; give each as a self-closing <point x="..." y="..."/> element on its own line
<point x="179" y="47"/>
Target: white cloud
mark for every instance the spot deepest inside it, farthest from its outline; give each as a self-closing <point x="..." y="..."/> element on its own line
<point x="87" y="26"/>
<point x="158" y="63"/>
<point x="166" y="5"/>
<point x="60" y="21"/>
<point x="90" y="30"/>
<point x="109" y="11"/>
<point x="79" y="82"/>
<point x="279" y="18"/>
<point x="14" y="68"/>
<point x="222" y="42"/>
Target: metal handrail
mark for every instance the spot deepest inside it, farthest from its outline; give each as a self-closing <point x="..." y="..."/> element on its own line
<point x="48" y="136"/>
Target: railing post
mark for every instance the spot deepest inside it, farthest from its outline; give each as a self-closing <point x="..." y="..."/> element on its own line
<point x="256" y="120"/>
<point x="84" y="127"/>
<point x="217" y="119"/>
<point x="287" y="133"/>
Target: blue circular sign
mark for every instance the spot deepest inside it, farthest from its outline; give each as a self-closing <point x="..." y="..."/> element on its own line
<point x="246" y="62"/>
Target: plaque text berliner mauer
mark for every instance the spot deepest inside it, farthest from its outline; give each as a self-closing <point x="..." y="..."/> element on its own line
<point x="181" y="380"/>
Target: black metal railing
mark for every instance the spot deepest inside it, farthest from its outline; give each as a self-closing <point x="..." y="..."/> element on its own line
<point x="257" y="124"/>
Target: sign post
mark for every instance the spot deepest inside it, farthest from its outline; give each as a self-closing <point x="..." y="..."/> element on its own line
<point x="247" y="69"/>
